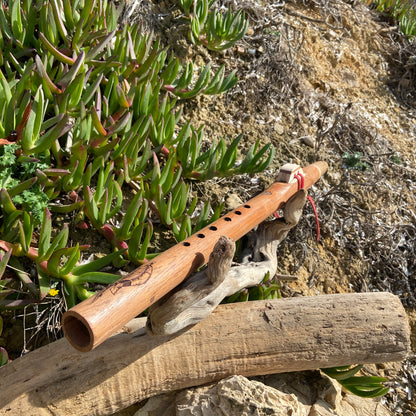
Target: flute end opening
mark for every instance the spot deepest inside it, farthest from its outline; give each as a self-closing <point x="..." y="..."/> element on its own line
<point x="322" y="166"/>
<point x="77" y="332"/>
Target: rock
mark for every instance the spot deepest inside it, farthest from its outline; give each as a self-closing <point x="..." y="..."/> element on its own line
<point x="232" y="201"/>
<point x="164" y="404"/>
<point x="307" y="393"/>
<point x="237" y="395"/>
<point x="309" y="141"/>
<point x="350" y="405"/>
<point x="279" y="128"/>
<point x="357" y="406"/>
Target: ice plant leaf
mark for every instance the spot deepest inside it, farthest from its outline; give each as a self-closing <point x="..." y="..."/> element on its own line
<point x="4" y="357"/>
<point x="73" y="72"/>
<point x="93" y="266"/>
<point x="3" y="263"/>
<point x="52" y="88"/>
<point x="95" y="277"/>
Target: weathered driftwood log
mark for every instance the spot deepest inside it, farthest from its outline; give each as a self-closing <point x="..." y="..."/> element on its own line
<point x="200" y="294"/>
<point x="251" y="338"/>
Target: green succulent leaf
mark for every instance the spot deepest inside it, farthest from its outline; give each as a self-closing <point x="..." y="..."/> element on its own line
<point x="22" y="186"/>
<point x="84" y="107"/>
<point x="4" y="357"/>
<point x="97" y="264"/>
<point x="102" y="43"/>
<point x="182" y="230"/>
<point x="54" y="261"/>
<point x="3" y="263"/>
<point x="46" y="140"/>
<point x="49" y="87"/>
<point x="95" y="277"/>
<point x="58" y="243"/>
<point x="138" y="245"/>
<point x="26" y="228"/>
<point x="342" y="373"/>
<point x="369" y="392"/>
<point x="54" y="51"/>
<point x="76" y="67"/>
<point x="363" y="386"/>
<point x="16" y="19"/>
<point x="363" y="381"/>
<point x="124" y="231"/>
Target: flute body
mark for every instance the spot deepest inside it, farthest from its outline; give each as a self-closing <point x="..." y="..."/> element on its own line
<point x="89" y="323"/>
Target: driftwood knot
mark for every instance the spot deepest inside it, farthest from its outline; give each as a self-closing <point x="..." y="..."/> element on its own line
<point x="220" y="260"/>
<point x="200" y="294"/>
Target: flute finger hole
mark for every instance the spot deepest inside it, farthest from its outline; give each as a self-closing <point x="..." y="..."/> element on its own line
<point x="213" y="228"/>
<point x="227" y="219"/>
<point x="186" y="244"/>
<point x="238" y="212"/>
<point x="200" y="235"/>
<point x="247" y="206"/>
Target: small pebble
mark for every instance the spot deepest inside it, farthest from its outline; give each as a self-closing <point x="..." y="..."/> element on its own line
<point x="232" y="201"/>
<point x="278" y="128"/>
<point x="309" y="141"/>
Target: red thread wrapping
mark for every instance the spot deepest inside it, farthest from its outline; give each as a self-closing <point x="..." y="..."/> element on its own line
<point x="301" y="184"/>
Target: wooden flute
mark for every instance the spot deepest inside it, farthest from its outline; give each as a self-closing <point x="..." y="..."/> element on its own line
<point x="91" y="322"/>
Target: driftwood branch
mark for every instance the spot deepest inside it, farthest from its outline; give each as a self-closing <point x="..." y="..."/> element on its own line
<point x="250" y="338"/>
<point x="200" y="294"/>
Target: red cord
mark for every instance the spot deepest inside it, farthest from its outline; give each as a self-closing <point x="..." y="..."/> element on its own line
<point x="301" y="180"/>
<point x="318" y="230"/>
<point x="301" y="184"/>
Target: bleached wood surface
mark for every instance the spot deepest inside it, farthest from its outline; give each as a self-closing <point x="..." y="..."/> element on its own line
<point x="251" y="338"/>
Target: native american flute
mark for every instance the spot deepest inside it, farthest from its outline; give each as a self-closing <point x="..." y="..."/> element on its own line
<point x="91" y="322"/>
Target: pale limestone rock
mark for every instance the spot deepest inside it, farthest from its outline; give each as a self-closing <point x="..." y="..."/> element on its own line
<point x="322" y="408"/>
<point x="161" y="405"/>
<point x="232" y="201"/>
<point x="307" y="393"/>
<point x="356" y="406"/>
<point x="237" y="395"/>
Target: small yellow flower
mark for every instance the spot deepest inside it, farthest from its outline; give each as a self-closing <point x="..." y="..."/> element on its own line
<point x="53" y="292"/>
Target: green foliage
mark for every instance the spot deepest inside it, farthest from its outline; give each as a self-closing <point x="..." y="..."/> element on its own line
<point x="184" y="87"/>
<point x="32" y="200"/>
<point x="267" y="289"/>
<point x="211" y="28"/>
<point x="354" y="161"/>
<point x="4" y="357"/>
<point x="88" y="112"/>
<point x="363" y="386"/>
<point x="395" y="158"/>
<point x="219" y="160"/>
<point x="402" y="10"/>
<point x="18" y="176"/>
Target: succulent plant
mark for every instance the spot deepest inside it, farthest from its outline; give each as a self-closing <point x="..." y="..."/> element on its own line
<point x="211" y="28"/>
<point x="402" y="10"/>
<point x="363" y="386"/>
<point x="90" y="132"/>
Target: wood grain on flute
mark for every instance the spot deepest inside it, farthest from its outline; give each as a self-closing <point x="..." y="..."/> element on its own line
<point x="91" y="322"/>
